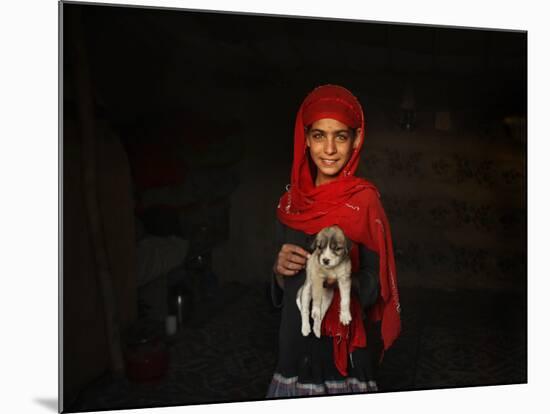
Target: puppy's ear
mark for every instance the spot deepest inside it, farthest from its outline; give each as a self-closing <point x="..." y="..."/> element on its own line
<point x="349" y="245"/>
<point x="314" y="244"/>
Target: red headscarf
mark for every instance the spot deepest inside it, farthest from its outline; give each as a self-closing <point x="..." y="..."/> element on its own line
<point x="348" y="201"/>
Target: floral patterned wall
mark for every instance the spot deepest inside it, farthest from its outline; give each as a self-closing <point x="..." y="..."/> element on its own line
<point x="456" y="201"/>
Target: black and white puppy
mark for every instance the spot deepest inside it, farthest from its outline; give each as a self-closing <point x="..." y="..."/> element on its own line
<point x="329" y="260"/>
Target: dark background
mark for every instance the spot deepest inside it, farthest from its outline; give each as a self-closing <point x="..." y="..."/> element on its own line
<point x="193" y="115"/>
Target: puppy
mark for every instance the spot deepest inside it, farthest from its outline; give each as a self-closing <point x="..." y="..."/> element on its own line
<point x="329" y="260"/>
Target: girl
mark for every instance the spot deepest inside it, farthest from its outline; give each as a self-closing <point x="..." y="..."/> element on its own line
<point x="328" y="136"/>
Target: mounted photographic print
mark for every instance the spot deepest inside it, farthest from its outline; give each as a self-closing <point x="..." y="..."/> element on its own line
<point x="262" y="207"/>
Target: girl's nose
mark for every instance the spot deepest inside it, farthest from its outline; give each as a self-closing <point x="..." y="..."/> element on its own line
<point x="330" y="146"/>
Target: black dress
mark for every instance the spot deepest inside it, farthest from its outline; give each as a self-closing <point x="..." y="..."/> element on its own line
<point x="305" y="365"/>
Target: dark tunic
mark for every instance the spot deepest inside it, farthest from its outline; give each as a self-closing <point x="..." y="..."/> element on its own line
<point x="305" y="364"/>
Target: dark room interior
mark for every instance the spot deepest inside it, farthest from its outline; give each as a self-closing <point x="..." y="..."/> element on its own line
<point x="177" y="144"/>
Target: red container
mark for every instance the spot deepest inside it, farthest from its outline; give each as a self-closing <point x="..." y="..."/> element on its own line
<point x="146" y="353"/>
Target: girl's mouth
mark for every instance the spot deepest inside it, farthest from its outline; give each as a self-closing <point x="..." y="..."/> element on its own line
<point x="329" y="162"/>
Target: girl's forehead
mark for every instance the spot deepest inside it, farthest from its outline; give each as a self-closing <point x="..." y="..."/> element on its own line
<point x="329" y="124"/>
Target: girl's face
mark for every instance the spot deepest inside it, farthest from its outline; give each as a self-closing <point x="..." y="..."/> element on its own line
<point x="331" y="144"/>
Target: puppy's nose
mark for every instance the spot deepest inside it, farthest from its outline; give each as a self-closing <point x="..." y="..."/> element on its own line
<point x="326" y="261"/>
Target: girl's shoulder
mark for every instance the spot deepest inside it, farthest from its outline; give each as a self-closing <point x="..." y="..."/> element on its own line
<point x="366" y="193"/>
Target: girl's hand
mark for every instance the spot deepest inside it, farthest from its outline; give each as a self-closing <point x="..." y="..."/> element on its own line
<point x="290" y="260"/>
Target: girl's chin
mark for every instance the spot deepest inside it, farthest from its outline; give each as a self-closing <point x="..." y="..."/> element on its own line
<point x="330" y="171"/>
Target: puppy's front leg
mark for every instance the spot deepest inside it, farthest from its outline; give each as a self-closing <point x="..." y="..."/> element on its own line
<point x="317" y="294"/>
<point x="344" y="284"/>
<point x="305" y="300"/>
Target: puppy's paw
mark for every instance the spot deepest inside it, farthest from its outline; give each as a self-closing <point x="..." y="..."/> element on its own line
<point x="317" y="327"/>
<point x="306" y="329"/>
<point x="345" y="317"/>
<point x="316" y="312"/>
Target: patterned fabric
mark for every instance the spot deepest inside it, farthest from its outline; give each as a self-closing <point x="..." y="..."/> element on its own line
<point x="290" y="387"/>
<point x="457" y="203"/>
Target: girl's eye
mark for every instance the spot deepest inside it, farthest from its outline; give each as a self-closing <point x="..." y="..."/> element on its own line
<point x="317" y="136"/>
<point x="342" y="138"/>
